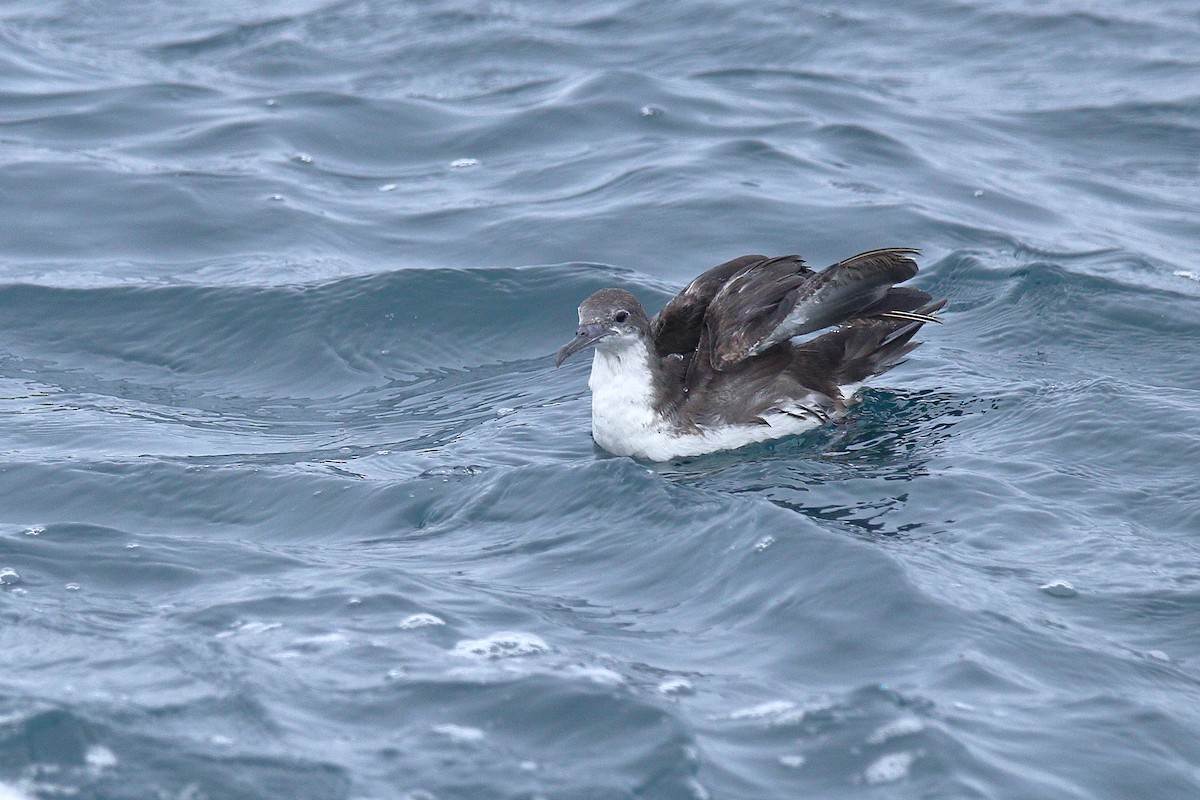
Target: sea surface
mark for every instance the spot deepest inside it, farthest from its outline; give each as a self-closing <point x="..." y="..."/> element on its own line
<point x="293" y="503"/>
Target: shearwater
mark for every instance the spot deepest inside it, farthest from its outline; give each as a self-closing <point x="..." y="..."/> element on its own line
<point x="717" y="368"/>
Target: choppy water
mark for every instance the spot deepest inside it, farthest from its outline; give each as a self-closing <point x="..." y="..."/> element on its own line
<point x="294" y="505"/>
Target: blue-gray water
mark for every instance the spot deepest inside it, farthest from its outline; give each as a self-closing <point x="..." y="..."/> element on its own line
<point x="294" y="505"/>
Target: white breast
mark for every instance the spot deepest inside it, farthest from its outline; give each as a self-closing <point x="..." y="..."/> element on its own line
<point x="624" y="421"/>
<point x="623" y="418"/>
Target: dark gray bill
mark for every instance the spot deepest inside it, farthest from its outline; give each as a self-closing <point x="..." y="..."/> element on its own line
<point x="586" y="336"/>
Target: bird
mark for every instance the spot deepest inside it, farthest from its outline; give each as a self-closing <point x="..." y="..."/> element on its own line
<point x="720" y="366"/>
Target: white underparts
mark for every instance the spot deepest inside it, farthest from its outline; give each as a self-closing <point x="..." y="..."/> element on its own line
<point x="623" y="418"/>
<point x="625" y="423"/>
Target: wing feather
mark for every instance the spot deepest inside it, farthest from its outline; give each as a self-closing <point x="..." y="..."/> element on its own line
<point x="676" y="329"/>
<point x="776" y="299"/>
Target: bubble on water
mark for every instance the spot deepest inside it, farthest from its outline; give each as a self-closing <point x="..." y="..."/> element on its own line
<point x="35" y="530"/>
<point x="460" y="733"/>
<point x="463" y="163"/>
<point x="979" y="192"/>
<point x="303" y="158"/>
<point x="505" y="644"/>
<point x="421" y="620"/>
<point x="395" y="674"/>
<point x="904" y="726"/>
<point x="763" y="543"/>
<point x="889" y="768"/>
<point x="1058" y="588"/>
<point x="272" y="103"/>
<point x="9" y="576"/>
<point x="132" y="546"/>
<point x="651" y="111"/>
<point x="276" y="197"/>
<point x="72" y="587"/>
<point x="674" y="687"/>
<point x="793" y="760"/>
<point x="387" y="187"/>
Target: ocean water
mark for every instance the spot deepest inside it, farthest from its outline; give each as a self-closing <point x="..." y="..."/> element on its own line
<point x="293" y="503"/>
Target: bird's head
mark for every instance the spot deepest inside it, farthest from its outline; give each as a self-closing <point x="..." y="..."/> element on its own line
<point x="610" y="318"/>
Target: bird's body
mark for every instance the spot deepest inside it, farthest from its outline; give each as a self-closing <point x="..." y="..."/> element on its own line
<point x="717" y="368"/>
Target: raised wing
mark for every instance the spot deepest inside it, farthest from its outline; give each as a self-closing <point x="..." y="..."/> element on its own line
<point x="676" y="329"/>
<point x="766" y="304"/>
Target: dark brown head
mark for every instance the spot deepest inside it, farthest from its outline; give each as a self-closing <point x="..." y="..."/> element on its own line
<point x="612" y="316"/>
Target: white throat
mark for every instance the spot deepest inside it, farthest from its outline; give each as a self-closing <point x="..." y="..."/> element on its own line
<point x="622" y="385"/>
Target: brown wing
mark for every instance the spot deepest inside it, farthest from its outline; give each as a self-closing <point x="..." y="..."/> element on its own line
<point x="676" y="329"/>
<point x="766" y="304"/>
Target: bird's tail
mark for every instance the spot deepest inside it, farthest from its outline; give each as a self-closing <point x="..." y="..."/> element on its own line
<point x="872" y="345"/>
<point x="875" y="345"/>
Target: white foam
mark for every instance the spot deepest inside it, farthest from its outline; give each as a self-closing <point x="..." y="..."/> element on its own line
<point x="904" y="726"/>
<point x="771" y="710"/>
<point x="889" y="768"/>
<point x="602" y="675"/>
<point x="1059" y="588"/>
<point x="673" y="687"/>
<point x="421" y="620"/>
<point x="504" y="644"/>
<point x="459" y="733"/>
<point x="316" y="640"/>
<point x="697" y="789"/>
<point x="240" y="627"/>
<point x="99" y="757"/>
<point x="418" y="794"/>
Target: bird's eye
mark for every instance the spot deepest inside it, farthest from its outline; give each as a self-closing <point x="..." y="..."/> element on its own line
<point x="620" y="316"/>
